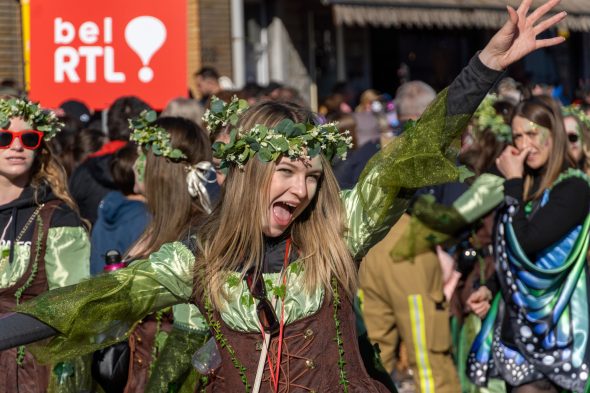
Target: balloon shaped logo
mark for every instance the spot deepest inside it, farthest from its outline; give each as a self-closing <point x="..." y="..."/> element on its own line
<point x="145" y="35"/>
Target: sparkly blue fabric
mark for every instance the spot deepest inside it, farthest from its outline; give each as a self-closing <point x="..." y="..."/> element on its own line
<point x="544" y="305"/>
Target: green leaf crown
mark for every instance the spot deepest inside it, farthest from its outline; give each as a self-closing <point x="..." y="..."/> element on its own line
<point x="221" y="114"/>
<point x="289" y="139"/>
<point x="151" y="136"/>
<point x="577" y="112"/>
<point x="43" y="120"/>
<point x="486" y="118"/>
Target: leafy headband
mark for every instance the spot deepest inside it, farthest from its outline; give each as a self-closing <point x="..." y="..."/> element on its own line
<point x="157" y="139"/>
<point x="577" y="112"/>
<point x="153" y="137"/>
<point x="220" y="114"/>
<point x="43" y="120"/>
<point x="289" y="139"/>
<point x="486" y="118"/>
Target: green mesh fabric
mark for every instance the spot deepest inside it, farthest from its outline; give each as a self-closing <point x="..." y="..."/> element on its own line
<point x="431" y="224"/>
<point x="173" y="367"/>
<point x="422" y="156"/>
<point x="441" y="218"/>
<point x="416" y="239"/>
<point x="103" y="310"/>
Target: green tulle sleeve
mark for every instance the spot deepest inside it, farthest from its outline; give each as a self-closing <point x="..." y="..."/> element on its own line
<point x="101" y="311"/>
<point x="173" y="367"/>
<point x="422" y="156"/>
<point x="433" y="223"/>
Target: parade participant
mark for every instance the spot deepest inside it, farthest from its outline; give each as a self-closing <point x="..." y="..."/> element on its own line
<point x="171" y="172"/>
<point x="534" y="335"/>
<point x="577" y="127"/>
<point x="275" y="272"/>
<point x="43" y="243"/>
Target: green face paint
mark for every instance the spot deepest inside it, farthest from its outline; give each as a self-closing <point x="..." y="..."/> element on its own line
<point x="543" y="135"/>
<point x="542" y="132"/>
<point x="139" y="167"/>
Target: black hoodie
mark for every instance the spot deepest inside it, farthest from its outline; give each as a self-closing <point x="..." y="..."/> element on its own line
<point x="14" y="216"/>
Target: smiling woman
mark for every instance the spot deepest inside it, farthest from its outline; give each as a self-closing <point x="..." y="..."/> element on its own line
<point x="293" y="186"/>
<point x="280" y="247"/>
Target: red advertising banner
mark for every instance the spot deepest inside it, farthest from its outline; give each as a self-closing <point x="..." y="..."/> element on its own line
<point x="98" y="51"/>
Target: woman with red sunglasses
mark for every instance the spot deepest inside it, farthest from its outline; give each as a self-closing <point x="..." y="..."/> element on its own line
<point x="43" y="244"/>
<point x="274" y="265"/>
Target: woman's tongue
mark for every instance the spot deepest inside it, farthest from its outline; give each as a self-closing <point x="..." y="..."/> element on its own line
<point x="282" y="213"/>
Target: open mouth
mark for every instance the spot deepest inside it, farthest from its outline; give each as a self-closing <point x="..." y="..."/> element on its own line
<point x="283" y="212"/>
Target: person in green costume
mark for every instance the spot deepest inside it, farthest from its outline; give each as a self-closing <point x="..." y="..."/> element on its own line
<point x="172" y="171"/>
<point x="43" y="243"/>
<point x="275" y="271"/>
<point x="534" y="336"/>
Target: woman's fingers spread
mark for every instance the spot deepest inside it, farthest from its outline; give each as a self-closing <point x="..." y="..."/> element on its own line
<point x="524" y="7"/>
<point x="512" y="22"/>
<point x="541" y="27"/>
<point x="549" y="42"/>
<point x="513" y="15"/>
<point x="542" y="10"/>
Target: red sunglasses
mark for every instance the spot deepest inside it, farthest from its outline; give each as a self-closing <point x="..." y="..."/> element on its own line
<point x="30" y="139"/>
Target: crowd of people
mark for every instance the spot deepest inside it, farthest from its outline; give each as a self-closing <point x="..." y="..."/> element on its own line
<point x="240" y="242"/>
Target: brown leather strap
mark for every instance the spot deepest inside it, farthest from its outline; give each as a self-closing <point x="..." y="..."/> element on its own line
<point x="45" y="214"/>
<point x="39" y="284"/>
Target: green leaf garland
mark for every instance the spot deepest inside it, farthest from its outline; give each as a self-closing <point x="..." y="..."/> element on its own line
<point x="43" y="120"/>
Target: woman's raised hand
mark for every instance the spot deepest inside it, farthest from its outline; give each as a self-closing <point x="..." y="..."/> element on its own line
<point x="518" y="37"/>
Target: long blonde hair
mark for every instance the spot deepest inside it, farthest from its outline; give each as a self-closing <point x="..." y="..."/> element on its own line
<point x="231" y="239"/>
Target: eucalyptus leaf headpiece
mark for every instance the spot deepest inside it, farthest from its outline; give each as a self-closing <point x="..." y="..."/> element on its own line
<point x="220" y="114"/>
<point x="153" y="137"/>
<point x="486" y="118"/>
<point x="577" y="112"/>
<point x="157" y="139"/>
<point x="43" y="120"/>
<point x="290" y="139"/>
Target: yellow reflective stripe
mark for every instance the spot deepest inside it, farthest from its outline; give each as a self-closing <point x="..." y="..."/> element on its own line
<point x="361" y="295"/>
<point x="420" y="348"/>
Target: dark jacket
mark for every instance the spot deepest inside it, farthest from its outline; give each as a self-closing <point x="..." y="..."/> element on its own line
<point x="90" y="183"/>
<point x="14" y="215"/>
<point x="119" y="224"/>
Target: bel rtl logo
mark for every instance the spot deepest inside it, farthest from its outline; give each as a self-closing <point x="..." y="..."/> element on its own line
<point x="133" y="50"/>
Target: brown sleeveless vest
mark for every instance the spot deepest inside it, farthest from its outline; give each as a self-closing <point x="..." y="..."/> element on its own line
<point x="31" y="377"/>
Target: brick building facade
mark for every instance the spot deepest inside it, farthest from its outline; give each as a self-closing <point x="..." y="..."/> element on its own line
<point x="11" y="48"/>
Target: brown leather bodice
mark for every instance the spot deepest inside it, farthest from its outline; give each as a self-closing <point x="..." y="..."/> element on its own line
<point x="310" y="356"/>
<point x="31" y="377"/>
<point x="39" y="284"/>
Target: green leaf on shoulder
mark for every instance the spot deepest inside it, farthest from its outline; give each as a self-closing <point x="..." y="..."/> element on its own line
<point x="280" y="291"/>
<point x="247" y="300"/>
<point x="233" y="280"/>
